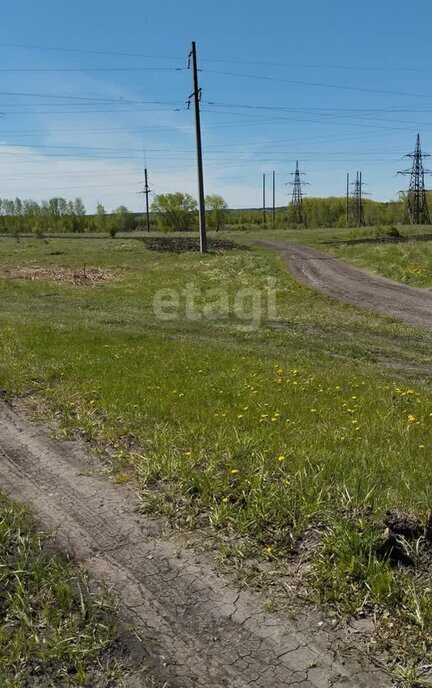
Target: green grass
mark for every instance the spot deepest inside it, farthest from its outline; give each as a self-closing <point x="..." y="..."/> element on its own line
<point x="410" y="263"/>
<point x="314" y="417"/>
<point x="52" y="631"/>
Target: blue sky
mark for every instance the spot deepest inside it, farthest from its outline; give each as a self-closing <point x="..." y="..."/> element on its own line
<point x="92" y="90"/>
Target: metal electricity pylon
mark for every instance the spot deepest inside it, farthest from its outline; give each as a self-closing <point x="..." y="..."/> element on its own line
<point x="297" y="211"/>
<point x="146" y="191"/>
<point x="357" y="209"/>
<point x="416" y="206"/>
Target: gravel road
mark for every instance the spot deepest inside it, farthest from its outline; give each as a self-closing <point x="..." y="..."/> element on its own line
<point x="347" y="283"/>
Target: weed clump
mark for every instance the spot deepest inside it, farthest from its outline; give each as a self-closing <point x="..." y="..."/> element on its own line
<point x="52" y="631"/>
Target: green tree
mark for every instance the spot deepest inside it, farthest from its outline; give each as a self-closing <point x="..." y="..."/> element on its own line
<point x="123" y="220"/>
<point x="100" y="220"/>
<point x="218" y="211"/>
<point x="175" y="212"/>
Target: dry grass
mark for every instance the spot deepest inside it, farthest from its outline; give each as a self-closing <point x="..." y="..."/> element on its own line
<point x="86" y="276"/>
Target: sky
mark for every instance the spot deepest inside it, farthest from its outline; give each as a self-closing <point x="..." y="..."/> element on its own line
<point x="93" y="91"/>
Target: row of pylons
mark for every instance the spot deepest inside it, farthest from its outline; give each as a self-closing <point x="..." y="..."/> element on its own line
<point x="416" y="206"/>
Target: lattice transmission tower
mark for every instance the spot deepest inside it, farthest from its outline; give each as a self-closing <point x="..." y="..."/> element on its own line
<point x="416" y="206"/>
<point x="357" y="207"/>
<point x="296" y="205"/>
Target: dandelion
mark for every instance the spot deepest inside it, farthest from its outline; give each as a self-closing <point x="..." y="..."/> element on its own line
<point x="234" y="471"/>
<point x="281" y="458"/>
<point x="269" y="549"/>
<point x="225" y="500"/>
<point x="411" y="418"/>
<point x="421" y="446"/>
<point x="188" y="453"/>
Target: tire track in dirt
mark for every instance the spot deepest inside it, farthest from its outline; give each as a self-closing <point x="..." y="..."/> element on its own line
<point x="347" y="283"/>
<point x="197" y="628"/>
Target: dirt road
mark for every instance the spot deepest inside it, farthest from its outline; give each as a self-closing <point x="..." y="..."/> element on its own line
<point x="347" y="283"/>
<point x="196" y="627"/>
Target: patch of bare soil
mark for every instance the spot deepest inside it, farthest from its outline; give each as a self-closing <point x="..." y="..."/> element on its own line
<point x="187" y="244"/>
<point x="196" y="628"/>
<point x="86" y="276"/>
<point x="380" y="240"/>
<point x="406" y="540"/>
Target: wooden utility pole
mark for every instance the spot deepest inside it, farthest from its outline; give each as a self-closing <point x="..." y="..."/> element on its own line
<point x="274" y="201"/>
<point x="196" y="95"/>
<point x="347" y="199"/>
<point x="264" y="201"/>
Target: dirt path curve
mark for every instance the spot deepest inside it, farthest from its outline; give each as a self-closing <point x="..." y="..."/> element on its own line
<point x="347" y="283"/>
<point x="197" y="628"/>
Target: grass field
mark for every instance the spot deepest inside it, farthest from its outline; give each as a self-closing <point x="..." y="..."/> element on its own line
<point x="315" y="418"/>
<point x="52" y="629"/>
<point x="410" y="263"/>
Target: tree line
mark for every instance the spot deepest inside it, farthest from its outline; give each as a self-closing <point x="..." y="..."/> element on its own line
<point x="178" y="212"/>
<point x="57" y="215"/>
<point x="323" y="212"/>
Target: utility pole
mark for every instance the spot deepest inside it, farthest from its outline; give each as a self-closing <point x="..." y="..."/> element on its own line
<point x="147" y="192"/>
<point x="347" y="199"/>
<point x="274" y="201"/>
<point x="196" y="95"/>
<point x="416" y="206"/>
<point x="264" y="201"/>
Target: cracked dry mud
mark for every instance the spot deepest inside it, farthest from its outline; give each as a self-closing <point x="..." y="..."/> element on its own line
<point x="347" y="283"/>
<point x="196" y="627"/>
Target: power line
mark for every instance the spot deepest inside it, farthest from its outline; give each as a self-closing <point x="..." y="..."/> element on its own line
<point x="318" y="84"/>
<point x="263" y="63"/>
<point x="89" y="69"/>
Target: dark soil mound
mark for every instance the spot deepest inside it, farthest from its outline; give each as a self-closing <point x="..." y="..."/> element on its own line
<point x="187" y="244"/>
